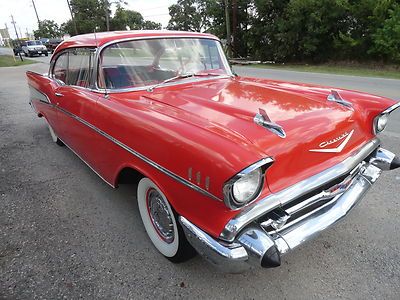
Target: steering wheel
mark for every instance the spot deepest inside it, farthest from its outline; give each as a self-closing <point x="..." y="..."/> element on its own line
<point x="198" y="61"/>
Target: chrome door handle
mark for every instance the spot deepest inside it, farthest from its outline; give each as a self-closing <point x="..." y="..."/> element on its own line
<point x="59" y="94"/>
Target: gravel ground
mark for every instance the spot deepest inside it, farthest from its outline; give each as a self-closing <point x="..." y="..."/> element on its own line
<point x="64" y="233"/>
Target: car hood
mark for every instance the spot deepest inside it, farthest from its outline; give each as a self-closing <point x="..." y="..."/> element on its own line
<point x="310" y="121"/>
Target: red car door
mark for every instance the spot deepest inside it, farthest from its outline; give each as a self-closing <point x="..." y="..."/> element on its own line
<point x="76" y="105"/>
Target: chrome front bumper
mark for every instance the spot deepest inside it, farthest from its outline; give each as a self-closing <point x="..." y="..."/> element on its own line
<point x="264" y="239"/>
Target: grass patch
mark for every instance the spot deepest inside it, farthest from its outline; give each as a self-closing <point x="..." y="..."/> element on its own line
<point x="346" y="69"/>
<point x="8" y="61"/>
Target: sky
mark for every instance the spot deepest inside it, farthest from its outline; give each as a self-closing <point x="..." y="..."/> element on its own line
<point x="57" y="10"/>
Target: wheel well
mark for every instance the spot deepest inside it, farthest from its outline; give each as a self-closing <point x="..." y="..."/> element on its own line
<point x="128" y="176"/>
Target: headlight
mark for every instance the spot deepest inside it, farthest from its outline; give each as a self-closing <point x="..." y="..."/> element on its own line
<point x="382" y="119"/>
<point x="381" y="123"/>
<point x="245" y="188"/>
<point x="246" y="185"/>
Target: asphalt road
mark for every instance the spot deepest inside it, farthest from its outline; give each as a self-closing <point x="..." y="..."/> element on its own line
<point x="67" y="234"/>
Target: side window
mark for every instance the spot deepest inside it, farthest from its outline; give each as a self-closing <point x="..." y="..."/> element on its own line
<point x="79" y="67"/>
<point x="212" y="56"/>
<point x="60" y="68"/>
<point x="74" y="67"/>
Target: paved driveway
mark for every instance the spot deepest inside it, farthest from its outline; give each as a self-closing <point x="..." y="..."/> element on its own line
<point x="66" y="233"/>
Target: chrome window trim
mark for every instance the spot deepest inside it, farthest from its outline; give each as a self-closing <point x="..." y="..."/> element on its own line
<point x="145" y="88"/>
<point x="52" y="65"/>
<point x="91" y="76"/>
<point x="387" y="111"/>
<point x="137" y="154"/>
<point x="112" y="91"/>
<point x="391" y="108"/>
<point x="257" y="209"/>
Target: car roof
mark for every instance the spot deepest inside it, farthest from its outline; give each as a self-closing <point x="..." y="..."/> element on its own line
<point x="101" y="38"/>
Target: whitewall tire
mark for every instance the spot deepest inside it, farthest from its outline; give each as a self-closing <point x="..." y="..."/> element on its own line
<point x="160" y="222"/>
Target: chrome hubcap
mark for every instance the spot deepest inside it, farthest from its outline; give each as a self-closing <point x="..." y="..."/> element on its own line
<point x="160" y="216"/>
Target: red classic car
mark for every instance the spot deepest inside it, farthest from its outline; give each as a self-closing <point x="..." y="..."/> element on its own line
<point x="242" y="170"/>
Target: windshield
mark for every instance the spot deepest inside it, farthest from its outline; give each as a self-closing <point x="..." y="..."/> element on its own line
<point x="148" y="62"/>
<point x="33" y="43"/>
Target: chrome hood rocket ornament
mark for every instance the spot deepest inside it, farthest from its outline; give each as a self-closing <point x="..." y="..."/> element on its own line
<point x="263" y="120"/>
<point x="334" y="96"/>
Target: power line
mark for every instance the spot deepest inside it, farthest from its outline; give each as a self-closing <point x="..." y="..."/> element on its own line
<point x="155" y="15"/>
<point x="157" y="7"/>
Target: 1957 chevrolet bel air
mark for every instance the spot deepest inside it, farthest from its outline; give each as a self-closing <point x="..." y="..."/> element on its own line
<point x="242" y="170"/>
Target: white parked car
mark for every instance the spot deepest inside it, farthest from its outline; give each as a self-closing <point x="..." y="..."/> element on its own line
<point x="31" y="48"/>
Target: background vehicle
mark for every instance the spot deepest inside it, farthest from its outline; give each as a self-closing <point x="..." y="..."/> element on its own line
<point x="31" y="48"/>
<point x="17" y="46"/>
<point x="52" y="44"/>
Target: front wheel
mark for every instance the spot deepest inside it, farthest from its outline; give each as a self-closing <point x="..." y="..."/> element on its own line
<point x="160" y="221"/>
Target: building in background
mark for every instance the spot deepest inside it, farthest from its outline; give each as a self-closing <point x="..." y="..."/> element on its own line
<point x="4" y="36"/>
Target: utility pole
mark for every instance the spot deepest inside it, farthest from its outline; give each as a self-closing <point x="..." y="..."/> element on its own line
<point x="37" y="16"/>
<point x="234" y="28"/>
<point x="106" y="4"/>
<point x="72" y="17"/>
<point x="228" y="28"/>
<point x="16" y="33"/>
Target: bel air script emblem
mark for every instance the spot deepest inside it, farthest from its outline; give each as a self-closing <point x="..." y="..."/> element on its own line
<point x="345" y="137"/>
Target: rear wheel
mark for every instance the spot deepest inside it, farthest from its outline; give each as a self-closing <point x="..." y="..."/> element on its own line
<point x="160" y="221"/>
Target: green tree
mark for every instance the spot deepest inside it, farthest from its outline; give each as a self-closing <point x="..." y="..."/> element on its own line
<point x="150" y="25"/>
<point x="363" y="20"/>
<point x="309" y="28"/>
<point x="386" y="40"/>
<point x="124" y="17"/>
<point x="185" y="16"/>
<point x="47" y="29"/>
<point x="89" y="16"/>
<point x="264" y="39"/>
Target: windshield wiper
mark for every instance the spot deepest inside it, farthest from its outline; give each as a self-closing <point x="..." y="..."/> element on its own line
<point x="182" y="76"/>
<point x="209" y="74"/>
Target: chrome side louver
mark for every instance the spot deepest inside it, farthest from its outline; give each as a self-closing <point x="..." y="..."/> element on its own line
<point x="263" y="120"/>
<point x="334" y="96"/>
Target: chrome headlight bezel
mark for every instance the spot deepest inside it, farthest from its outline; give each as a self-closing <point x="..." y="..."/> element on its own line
<point x="383" y="117"/>
<point x="380" y="123"/>
<point x="229" y="198"/>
